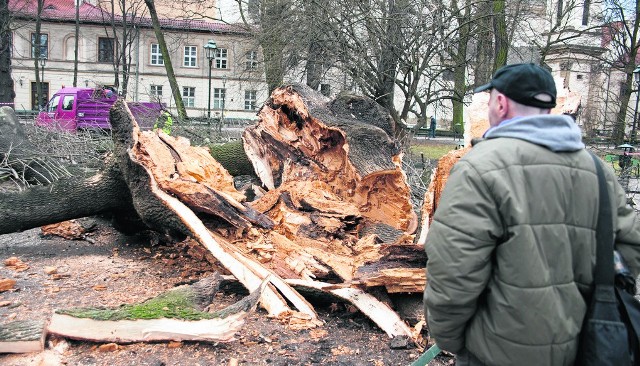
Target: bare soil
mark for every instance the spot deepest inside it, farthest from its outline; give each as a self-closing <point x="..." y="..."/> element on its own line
<point x="109" y="269"/>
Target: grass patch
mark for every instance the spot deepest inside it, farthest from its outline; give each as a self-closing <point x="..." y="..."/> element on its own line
<point x="431" y="151"/>
<point x="175" y="304"/>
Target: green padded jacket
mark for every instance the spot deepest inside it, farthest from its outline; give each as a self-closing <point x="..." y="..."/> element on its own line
<point x="511" y="250"/>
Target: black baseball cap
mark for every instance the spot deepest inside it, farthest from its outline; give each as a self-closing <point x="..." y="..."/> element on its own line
<point x="524" y="83"/>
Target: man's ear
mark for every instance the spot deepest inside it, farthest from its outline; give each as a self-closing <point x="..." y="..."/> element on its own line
<point x="503" y="106"/>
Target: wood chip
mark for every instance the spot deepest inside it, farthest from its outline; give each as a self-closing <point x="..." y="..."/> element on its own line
<point x="99" y="287"/>
<point x="50" y="270"/>
<point x="70" y="230"/>
<point x="174" y="344"/>
<point x="7" y="284"/>
<point x="16" y="264"/>
<point x="57" y="276"/>
<point x="318" y="333"/>
<point x="341" y="350"/>
<point x="109" y="347"/>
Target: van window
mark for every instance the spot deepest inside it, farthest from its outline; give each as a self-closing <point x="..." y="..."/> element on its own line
<point x="53" y="103"/>
<point x="67" y="102"/>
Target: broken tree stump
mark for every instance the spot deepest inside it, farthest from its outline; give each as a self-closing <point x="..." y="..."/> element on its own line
<point x="336" y="185"/>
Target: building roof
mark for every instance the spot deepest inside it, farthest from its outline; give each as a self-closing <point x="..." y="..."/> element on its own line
<point x="64" y="10"/>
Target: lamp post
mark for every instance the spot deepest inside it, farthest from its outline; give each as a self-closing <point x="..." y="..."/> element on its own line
<point x="224" y="98"/>
<point x="43" y="61"/>
<point x="210" y="53"/>
<point x="636" y="78"/>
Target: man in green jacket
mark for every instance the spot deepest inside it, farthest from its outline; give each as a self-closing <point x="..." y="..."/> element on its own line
<point x="164" y="122"/>
<point x="511" y="249"/>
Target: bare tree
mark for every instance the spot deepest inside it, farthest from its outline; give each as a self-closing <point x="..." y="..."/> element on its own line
<point x="7" y="94"/>
<point x="177" y="96"/>
<point x="76" y="43"/>
<point x="123" y="33"/>
<point x="623" y="26"/>
<point x="37" y="54"/>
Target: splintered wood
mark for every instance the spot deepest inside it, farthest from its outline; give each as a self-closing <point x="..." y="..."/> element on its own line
<point x="335" y="179"/>
<point x="337" y="199"/>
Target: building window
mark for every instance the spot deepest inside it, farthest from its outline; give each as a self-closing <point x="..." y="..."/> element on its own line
<point x="251" y="62"/>
<point x="156" y="55"/>
<point x="221" y="58"/>
<point x="156" y="93"/>
<point x="218" y="98"/>
<point x="325" y="89"/>
<point x="190" y="56"/>
<point x="559" y="10"/>
<point x="250" y="100"/>
<point x="105" y="49"/>
<point x="44" y="45"/>
<point x="585" y="12"/>
<point x="189" y="96"/>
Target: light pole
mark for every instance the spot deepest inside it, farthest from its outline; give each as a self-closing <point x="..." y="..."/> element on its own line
<point x="43" y="61"/>
<point x="210" y="52"/>
<point x="636" y="78"/>
<point x="224" y="98"/>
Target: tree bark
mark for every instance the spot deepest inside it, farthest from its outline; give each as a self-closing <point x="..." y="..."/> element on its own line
<point x="64" y="200"/>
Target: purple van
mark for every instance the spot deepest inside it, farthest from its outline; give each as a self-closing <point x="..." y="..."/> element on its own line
<point x="88" y="108"/>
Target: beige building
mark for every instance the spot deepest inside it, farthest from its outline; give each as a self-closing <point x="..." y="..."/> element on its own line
<point x="237" y="80"/>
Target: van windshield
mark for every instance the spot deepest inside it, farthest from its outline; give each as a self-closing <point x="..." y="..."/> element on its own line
<point x="53" y="103"/>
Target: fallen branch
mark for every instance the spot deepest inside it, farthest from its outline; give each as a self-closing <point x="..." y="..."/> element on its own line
<point x="380" y="313"/>
<point x="175" y="316"/>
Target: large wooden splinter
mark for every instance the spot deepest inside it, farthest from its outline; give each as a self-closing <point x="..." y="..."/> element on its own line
<point x="147" y="163"/>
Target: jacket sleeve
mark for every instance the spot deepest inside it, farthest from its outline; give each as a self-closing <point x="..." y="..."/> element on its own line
<point x="627" y="229"/>
<point x="459" y="246"/>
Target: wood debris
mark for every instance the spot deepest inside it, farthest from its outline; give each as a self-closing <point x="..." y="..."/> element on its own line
<point x="16" y="264"/>
<point x="70" y="230"/>
<point x="7" y="284"/>
<point x="22" y="336"/>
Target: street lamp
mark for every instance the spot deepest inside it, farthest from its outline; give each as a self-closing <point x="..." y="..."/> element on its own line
<point x="43" y="61"/>
<point x="636" y="78"/>
<point x="210" y="53"/>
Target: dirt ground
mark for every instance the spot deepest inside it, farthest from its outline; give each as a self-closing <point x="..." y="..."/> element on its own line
<point x="110" y="269"/>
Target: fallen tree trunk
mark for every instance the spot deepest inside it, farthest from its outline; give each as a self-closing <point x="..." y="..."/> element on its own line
<point x="338" y="209"/>
<point x="64" y="199"/>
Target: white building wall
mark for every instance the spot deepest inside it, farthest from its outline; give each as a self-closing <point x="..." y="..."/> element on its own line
<point x="58" y="71"/>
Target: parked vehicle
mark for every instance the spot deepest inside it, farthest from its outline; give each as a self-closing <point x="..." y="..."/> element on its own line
<point x="88" y="108"/>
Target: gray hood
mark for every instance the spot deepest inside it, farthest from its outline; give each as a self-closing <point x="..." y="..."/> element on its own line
<point x="555" y="132"/>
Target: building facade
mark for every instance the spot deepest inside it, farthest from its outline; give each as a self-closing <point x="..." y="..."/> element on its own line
<point x="234" y="73"/>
